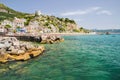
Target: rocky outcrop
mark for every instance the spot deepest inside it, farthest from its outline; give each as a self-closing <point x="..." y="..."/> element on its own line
<point x="51" y="39"/>
<point x="11" y="49"/>
<point x="43" y="38"/>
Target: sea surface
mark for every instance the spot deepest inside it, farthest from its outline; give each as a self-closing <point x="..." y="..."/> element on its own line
<point x="87" y="57"/>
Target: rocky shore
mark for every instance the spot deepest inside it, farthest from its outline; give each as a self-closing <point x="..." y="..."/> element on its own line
<point x="50" y="39"/>
<point x="43" y="38"/>
<point x="12" y="49"/>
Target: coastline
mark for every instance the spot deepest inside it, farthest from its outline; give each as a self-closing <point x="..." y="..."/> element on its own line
<point x="69" y="34"/>
<point x="11" y="49"/>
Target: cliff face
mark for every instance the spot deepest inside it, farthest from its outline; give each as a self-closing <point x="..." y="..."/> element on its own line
<point x="52" y="23"/>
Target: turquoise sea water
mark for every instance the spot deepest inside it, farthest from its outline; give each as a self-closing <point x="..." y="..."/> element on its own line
<point x="88" y="57"/>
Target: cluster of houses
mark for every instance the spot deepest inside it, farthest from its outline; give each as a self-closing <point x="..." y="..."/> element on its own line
<point x="18" y="26"/>
<point x="16" y="23"/>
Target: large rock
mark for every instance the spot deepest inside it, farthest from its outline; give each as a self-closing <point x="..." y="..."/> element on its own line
<point x="2" y="45"/>
<point x="14" y="51"/>
<point x="21" y="51"/>
<point x="29" y="46"/>
<point x="23" y="48"/>
<point x="8" y="41"/>
<point x="44" y="37"/>
<point x="11" y="49"/>
<point x="2" y="50"/>
<point x="51" y="39"/>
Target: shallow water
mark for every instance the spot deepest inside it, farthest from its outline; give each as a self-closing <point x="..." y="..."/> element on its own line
<point x="90" y="57"/>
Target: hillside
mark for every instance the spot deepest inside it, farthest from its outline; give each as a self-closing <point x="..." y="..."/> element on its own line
<point x="46" y="22"/>
<point x="8" y="13"/>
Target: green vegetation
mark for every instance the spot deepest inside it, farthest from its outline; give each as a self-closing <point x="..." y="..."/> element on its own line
<point x="28" y="19"/>
<point x="61" y="24"/>
<point x="76" y="30"/>
<point x="4" y="16"/>
<point x="18" y="27"/>
<point x="81" y="29"/>
<point x="62" y="29"/>
<point x="7" y="26"/>
<point x="45" y="21"/>
<point x="8" y="13"/>
<point x="69" y="21"/>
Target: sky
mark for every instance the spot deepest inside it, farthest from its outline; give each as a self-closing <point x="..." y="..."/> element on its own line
<point x="90" y="14"/>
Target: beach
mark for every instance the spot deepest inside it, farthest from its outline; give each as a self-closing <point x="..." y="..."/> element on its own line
<point x="68" y="34"/>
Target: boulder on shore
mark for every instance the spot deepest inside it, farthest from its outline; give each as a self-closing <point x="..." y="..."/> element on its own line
<point x="50" y="39"/>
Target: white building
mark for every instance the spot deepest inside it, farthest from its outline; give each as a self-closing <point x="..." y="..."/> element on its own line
<point x="38" y="13"/>
<point x="7" y="22"/>
<point x="15" y="23"/>
<point x="18" y="22"/>
<point x="33" y="27"/>
<point x="2" y="29"/>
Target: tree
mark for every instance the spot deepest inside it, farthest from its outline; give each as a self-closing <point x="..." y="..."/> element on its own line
<point x="81" y="28"/>
<point x="18" y="27"/>
<point x="76" y="30"/>
<point x="14" y="31"/>
<point x="61" y="29"/>
<point x="7" y="26"/>
<point x="46" y="24"/>
<point x="84" y="30"/>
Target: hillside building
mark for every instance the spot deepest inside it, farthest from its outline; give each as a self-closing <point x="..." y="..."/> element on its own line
<point x="38" y="13"/>
<point x="15" y="23"/>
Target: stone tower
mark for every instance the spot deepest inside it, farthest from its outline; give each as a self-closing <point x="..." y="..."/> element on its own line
<point x="37" y="13"/>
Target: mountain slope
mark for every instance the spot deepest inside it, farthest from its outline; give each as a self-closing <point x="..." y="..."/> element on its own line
<point x="8" y="13"/>
<point x="46" y="22"/>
